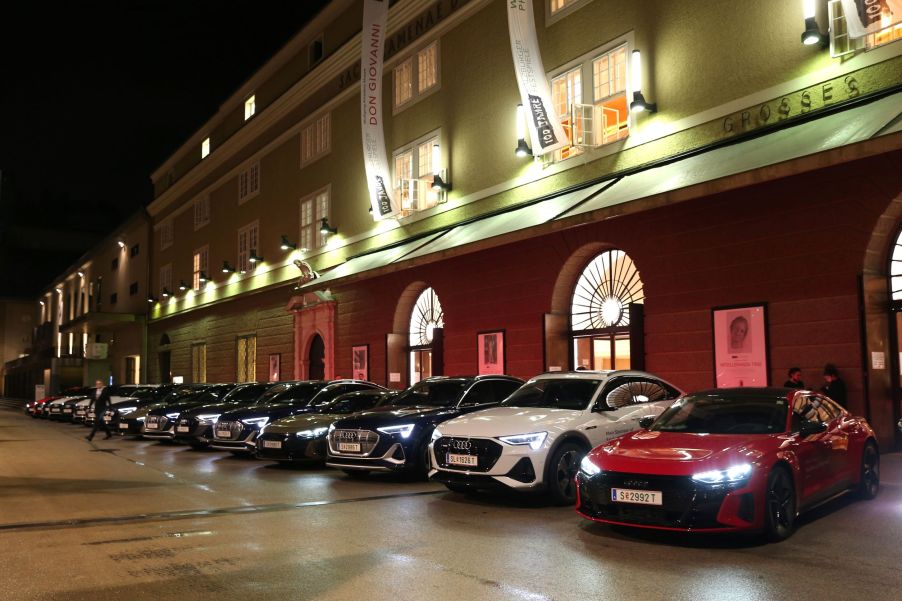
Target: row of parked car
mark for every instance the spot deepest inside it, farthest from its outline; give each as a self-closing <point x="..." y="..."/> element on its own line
<point x="624" y="447"/>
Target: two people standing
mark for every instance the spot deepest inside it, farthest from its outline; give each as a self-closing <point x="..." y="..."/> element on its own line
<point x="833" y="387"/>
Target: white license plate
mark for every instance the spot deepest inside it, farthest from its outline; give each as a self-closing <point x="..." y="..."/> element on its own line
<point x="272" y="444"/>
<point x="642" y="497"/>
<point x="183" y="429"/>
<point x="123" y="426"/>
<point x="67" y="410"/>
<point x="151" y="426"/>
<point x="462" y="459"/>
<point x="223" y="434"/>
<point x="107" y="419"/>
<point x="353" y="447"/>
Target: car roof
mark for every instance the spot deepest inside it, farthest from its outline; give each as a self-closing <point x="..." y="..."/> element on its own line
<point x="744" y="392"/>
<point x="594" y="374"/>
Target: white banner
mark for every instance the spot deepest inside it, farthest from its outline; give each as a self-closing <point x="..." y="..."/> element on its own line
<point x="544" y="125"/>
<point x="869" y="16"/>
<point x="378" y="174"/>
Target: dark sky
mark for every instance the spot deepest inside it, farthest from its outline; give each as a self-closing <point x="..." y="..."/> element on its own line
<point x="94" y="95"/>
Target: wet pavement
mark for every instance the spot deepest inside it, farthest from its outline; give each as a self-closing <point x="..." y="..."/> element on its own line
<point x="125" y="519"/>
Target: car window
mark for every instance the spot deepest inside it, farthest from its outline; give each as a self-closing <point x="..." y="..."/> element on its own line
<point x="554" y="394"/>
<point x="813" y="407"/>
<point x="247" y="393"/>
<point x="723" y="414"/>
<point x="432" y="393"/>
<point x="634" y="391"/>
<point x="504" y="388"/>
<point x="479" y="394"/>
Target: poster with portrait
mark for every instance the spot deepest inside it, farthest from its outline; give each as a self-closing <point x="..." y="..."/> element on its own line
<point x="740" y="345"/>
<point x="360" y="362"/>
<point x="275" y="366"/>
<point x="490" y="352"/>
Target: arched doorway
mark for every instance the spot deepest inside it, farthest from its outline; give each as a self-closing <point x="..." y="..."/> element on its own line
<point x="426" y="329"/>
<point x="607" y="298"/>
<point x="316" y="367"/>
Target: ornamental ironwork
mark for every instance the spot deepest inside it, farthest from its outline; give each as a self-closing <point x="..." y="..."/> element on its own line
<point x="604" y="291"/>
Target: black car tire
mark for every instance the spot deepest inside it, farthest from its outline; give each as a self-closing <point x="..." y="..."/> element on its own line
<point x="869" y="482"/>
<point x="560" y="473"/>
<point x="357" y="474"/>
<point x="779" y="505"/>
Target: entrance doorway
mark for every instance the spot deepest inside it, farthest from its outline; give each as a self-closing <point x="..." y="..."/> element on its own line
<point x="426" y="323"/>
<point x="166" y="367"/>
<point x="608" y="351"/>
<point x="317" y="366"/>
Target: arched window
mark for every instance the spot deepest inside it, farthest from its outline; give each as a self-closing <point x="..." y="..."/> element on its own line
<point x="895" y="270"/>
<point x="425" y="319"/>
<point x="600" y="313"/>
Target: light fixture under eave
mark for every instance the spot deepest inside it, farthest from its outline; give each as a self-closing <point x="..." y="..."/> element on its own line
<point x="183" y="286"/>
<point x="325" y="228"/>
<point x="42" y="303"/>
<point x="226" y="268"/>
<point x="151" y="300"/>
<point x="166" y="293"/>
<point x="120" y="243"/>
<point x="523" y="149"/>
<point x="202" y="278"/>
<point x="287" y="244"/>
<point x="639" y="104"/>
<point x="437" y="182"/>
<point x="254" y="257"/>
<point x="812" y="35"/>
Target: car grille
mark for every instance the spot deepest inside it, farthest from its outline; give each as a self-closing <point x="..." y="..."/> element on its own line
<point x="686" y="504"/>
<point x="365" y="438"/>
<point x="234" y="429"/>
<point x="487" y="452"/>
<point x="161" y="422"/>
<point x="187" y="422"/>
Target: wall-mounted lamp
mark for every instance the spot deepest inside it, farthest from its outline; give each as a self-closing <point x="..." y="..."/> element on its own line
<point x="523" y="149"/>
<point x="166" y="293"/>
<point x="120" y="243"/>
<point x="254" y="257"/>
<point x="437" y="182"/>
<point x="812" y="34"/>
<point x="42" y="303"/>
<point x="639" y="104"/>
<point x="81" y="274"/>
<point x="202" y="278"/>
<point x="287" y="244"/>
<point x="59" y="290"/>
<point x="182" y="285"/>
<point x="226" y="268"/>
<point x="325" y="229"/>
<point x="151" y="300"/>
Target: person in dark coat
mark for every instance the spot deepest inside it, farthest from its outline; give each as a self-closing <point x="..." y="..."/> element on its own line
<point x="100" y="406"/>
<point x="795" y="379"/>
<point x="834" y="387"/>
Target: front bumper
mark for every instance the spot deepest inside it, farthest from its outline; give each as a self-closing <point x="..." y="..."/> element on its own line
<point x="499" y="466"/>
<point x="288" y="447"/>
<point x="241" y="437"/>
<point x="191" y="431"/>
<point x="686" y="505"/>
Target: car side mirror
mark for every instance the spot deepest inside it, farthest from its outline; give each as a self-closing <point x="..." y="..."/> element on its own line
<point x="646" y="422"/>
<point x="809" y="428"/>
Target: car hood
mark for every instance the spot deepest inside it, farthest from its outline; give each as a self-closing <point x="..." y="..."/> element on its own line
<point x="672" y="453"/>
<point x="501" y="421"/>
<point x="210" y="408"/>
<point x="274" y="411"/>
<point x="143" y="411"/>
<point x="303" y="421"/>
<point x="395" y="415"/>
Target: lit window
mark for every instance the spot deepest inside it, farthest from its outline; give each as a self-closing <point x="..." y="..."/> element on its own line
<point x="416" y="76"/>
<point x="250" y="107"/>
<point x="205" y="148"/>
<point x="200" y="264"/>
<point x="166" y="234"/>
<point x="313" y="209"/>
<point x="557" y="6"/>
<point x="316" y="139"/>
<point x="413" y="176"/>
<point x="199" y="362"/>
<point x="248" y="240"/>
<point x="842" y="43"/>
<point x="247" y="359"/>
<point x="249" y="182"/>
<point x="201" y="212"/>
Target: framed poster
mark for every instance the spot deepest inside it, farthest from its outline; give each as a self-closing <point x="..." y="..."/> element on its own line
<point x="360" y="362"/>
<point x="740" y="345"/>
<point x="490" y="352"/>
<point x="275" y="366"/>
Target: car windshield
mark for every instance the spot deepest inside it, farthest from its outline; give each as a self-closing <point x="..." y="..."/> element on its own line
<point x="287" y="394"/>
<point x="716" y="414"/>
<point x="563" y="393"/>
<point x="246" y="393"/>
<point x="440" y="393"/>
<point x="351" y="403"/>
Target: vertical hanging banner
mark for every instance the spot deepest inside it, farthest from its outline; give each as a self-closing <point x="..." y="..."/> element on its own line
<point x="544" y="125"/>
<point x="378" y="174"/>
<point x="870" y="16"/>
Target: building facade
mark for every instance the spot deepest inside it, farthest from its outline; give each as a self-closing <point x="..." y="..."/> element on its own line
<point x="747" y="225"/>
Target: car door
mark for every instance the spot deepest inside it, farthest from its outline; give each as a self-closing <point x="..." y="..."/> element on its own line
<point x="814" y="452"/>
<point x="627" y="399"/>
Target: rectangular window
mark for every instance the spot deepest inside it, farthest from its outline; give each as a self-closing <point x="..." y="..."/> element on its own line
<point x="250" y="107"/>
<point x="135" y="250"/>
<point x="166" y="234"/>
<point x="248" y="240"/>
<point x="133" y="289"/>
<point x="247" y="359"/>
<point x="113" y="298"/>
<point x="200" y="264"/>
<point x="596" y="114"/>
<point x="166" y="278"/>
<point x="205" y="148"/>
<point x="249" y="182"/>
<point x="416" y="76"/>
<point x="201" y="212"/>
<point x="313" y="209"/>
<point x="316" y="139"/>
<point x="842" y="44"/>
<point x="413" y="176"/>
<point x="114" y="264"/>
<point x="315" y="50"/>
<point x="132" y="369"/>
<point x="199" y="362"/>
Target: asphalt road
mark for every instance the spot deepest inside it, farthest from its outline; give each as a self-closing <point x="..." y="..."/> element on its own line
<point x="125" y="519"/>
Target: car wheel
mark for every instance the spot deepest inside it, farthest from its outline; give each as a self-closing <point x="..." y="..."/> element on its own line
<point x="780" y="505"/>
<point x="561" y="473"/>
<point x="869" y="482"/>
<point x="357" y="474"/>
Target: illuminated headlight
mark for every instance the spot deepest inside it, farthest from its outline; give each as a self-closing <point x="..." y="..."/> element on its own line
<point x="534" y="440"/>
<point x="140" y="419"/>
<point x="436" y="435"/>
<point x="172" y="415"/>
<point x="126" y="410"/>
<point x="314" y="433"/>
<point x="737" y="473"/>
<point x="208" y="418"/>
<point x="404" y="430"/>
<point x="331" y="428"/>
<point x="588" y="467"/>
<point x="258" y="422"/>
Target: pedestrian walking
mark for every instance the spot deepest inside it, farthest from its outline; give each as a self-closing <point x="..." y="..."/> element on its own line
<point x="101" y="402"/>
<point x="833" y="386"/>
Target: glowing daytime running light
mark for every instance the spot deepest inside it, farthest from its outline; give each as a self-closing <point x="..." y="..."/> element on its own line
<point x="588" y="467"/>
<point x="534" y="440"/>
<point x="735" y="473"/>
<point x="436" y="435"/>
<point x="172" y="415"/>
<point x="314" y="433"/>
<point x="255" y="421"/>
<point x="125" y="410"/>
<point x="404" y="430"/>
<point x="208" y="418"/>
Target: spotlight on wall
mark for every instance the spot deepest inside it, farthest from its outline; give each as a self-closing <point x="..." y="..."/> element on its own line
<point x="81" y="274"/>
<point x="120" y="243"/>
<point x="437" y="182"/>
<point x="812" y="34"/>
<point x="182" y="285"/>
<point x="254" y="257"/>
<point x="42" y="303"/>
<point x="523" y="149"/>
<point x="151" y="300"/>
<point x="325" y="229"/>
<point x="202" y="278"/>
<point x="287" y="244"/>
<point x="226" y="268"/>
<point x="166" y="293"/>
<point x="639" y="104"/>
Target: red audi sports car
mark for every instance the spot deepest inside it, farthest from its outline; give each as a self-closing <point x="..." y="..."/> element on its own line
<point x="729" y="460"/>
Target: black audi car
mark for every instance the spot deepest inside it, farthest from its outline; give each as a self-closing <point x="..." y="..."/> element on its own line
<point x="195" y="424"/>
<point x="237" y="430"/>
<point x="301" y="438"/>
<point x="397" y="439"/>
<point x="128" y="420"/>
<point x="160" y="422"/>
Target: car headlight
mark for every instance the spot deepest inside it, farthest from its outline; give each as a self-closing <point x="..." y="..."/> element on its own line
<point x="736" y="473"/>
<point x="140" y="419"/>
<point x="172" y="415"/>
<point x="258" y="422"/>
<point x="208" y="418"/>
<point x="404" y="430"/>
<point x="126" y="410"/>
<point x="436" y="435"/>
<point x="588" y="467"/>
<point x="331" y="428"/>
<point x="534" y="440"/>
<point x="314" y="433"/>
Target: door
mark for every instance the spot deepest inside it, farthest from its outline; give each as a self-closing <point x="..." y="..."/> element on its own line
<point x="317" y="365"/>
<point x="815" y="452"/>
<point x="166" y="367"/>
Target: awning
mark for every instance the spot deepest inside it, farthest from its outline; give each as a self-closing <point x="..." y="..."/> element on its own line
<point x="840" y="129"/>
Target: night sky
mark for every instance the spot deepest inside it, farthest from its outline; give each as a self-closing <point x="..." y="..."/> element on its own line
<point x="96" y="95"/>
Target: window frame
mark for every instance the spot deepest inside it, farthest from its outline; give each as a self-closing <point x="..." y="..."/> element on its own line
<point x="414" y="147"/>
<point x="205" y="148"/>
<point x="319" y="210"/>
<point x="319" y="130"/>
<point x="167" y="234"/>
<point x="250" y="106"/>
<point x="412" y="61"/>
<point x="250" y="365"/>
<point x="249" y="182"/>
<point x="200" y="261"/>
<point x="570" y="7"/>
<point x="201" y="209"/>
<point x="251" y="232"/>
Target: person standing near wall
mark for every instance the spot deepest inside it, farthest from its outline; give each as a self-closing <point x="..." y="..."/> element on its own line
<point x="795" y="379"/>
<point x="833" y="386"/>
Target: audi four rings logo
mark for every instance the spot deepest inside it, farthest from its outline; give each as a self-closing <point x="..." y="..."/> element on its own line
<point x="346" y="435"/>
<point x="636" y="483"/>
<point x="461" y="445"/>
